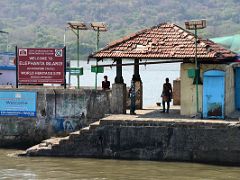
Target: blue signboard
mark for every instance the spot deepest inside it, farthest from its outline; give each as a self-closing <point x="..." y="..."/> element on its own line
<point x="16" y="103"/>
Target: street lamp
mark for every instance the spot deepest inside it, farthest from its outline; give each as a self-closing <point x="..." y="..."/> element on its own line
<point x="4" y="32"/>
<point x="98" y="26"/>
<point x="195" y="25"/>
<point x="75" y="26"/>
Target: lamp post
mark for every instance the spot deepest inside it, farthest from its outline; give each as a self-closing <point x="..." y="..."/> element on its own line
<point x="195" y="25"/>
<point x="5" y="32"/>
<point x="64" y="36"/>
<point x="75" y="26"/>
<point x="98" y="26"/>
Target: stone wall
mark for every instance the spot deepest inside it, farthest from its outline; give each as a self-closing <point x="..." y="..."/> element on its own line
<point x="168" y="140"/>
<point x="58" y="112"/>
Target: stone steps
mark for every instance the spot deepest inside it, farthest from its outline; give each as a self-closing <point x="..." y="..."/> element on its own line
<point x="94" y="125"/>
<point x="57" y="142"/>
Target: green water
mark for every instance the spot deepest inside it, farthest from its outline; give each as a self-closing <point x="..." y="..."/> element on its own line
<point x="13" y="167"/>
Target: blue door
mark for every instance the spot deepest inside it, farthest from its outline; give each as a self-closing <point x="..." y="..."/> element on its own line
<point x="213" y="94"/>
<point x="237" y="88"/>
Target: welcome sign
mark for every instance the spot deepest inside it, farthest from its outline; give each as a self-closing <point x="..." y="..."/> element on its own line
<point x="16" y="103"/>
<point x="41" y="65"/>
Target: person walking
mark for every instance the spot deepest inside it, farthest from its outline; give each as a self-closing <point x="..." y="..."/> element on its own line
<point x="166" y="95"/>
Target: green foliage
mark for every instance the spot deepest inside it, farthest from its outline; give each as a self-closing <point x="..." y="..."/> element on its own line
<point x="34" y="23"/>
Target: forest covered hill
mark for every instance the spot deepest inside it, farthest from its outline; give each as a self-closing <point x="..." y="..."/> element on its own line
<point x="41" y="23"/>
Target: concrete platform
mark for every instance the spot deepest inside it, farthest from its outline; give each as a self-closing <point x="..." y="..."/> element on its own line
<point x="154" y="112"/>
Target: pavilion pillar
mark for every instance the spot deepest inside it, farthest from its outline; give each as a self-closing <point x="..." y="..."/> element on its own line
<point x="118" y="101"/>
<point x="119" y="77"/>
<point x="138" y="87"/>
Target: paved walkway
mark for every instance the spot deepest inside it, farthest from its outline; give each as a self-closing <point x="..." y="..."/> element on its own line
<point x="154" y="112"/>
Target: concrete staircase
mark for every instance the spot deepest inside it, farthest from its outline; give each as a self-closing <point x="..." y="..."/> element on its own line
<point x="46" y="147"/>
<point x="131" y="137"/>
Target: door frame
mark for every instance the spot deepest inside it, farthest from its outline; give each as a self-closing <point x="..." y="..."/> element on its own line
<point x="235" y="90"/>
<point x="216" y="73"/>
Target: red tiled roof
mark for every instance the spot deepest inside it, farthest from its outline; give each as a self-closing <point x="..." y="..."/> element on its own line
<point x="165" y="41"/>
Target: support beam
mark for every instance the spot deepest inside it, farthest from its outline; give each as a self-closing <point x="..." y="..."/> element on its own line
<point x="137" y="89"/>
<point x="136" y="75"/>
<point x="142" y="63"/>
<point x="119" y="77"/>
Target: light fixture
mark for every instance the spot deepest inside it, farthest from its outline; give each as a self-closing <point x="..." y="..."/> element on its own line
<point x="99" y="26"/>
<point x="77" y="25"/>
<point x="196" y="24"/>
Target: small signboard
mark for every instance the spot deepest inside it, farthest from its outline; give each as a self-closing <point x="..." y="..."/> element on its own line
<point x="16" y="103"/>
<point x="41" y="65"/>
<point x="96" y="69"/>
<point x="75" y="71"/>
<point x="191" y="73"/>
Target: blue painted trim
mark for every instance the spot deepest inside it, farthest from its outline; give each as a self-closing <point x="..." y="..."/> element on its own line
<point x="7" y="67"/>
<point x="214" y="73"/>
<point x="8" y="53"/>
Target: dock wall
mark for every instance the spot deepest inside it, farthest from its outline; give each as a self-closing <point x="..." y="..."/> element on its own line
<point x="59" y="112"/>
<point x="165" y="140"/>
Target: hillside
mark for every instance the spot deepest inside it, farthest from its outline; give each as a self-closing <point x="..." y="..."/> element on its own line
<point x="34" y="23"/>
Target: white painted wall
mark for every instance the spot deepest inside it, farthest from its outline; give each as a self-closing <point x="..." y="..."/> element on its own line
<point x="8" y="77"/>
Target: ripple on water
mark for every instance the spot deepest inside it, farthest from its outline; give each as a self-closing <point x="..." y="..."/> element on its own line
<point x="16" y="174"/>
<point x="14" y="167"/>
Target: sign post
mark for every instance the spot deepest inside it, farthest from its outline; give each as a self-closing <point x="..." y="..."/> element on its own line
<point x="16" y="49"/>
<point x="65" y="67"/>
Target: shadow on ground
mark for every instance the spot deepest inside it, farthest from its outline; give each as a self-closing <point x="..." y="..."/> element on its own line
<point x="157" y="113"/>
<point x="175" y="114"/>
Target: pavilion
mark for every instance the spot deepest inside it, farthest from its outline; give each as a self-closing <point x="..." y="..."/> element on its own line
<point x="164" y="43"/>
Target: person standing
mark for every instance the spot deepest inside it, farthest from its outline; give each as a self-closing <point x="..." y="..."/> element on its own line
<point x="105" y="83"/>
<point x="166" y="95"/>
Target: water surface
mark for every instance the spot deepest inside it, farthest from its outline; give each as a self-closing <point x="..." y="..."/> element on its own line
<point x="13" y="167"/>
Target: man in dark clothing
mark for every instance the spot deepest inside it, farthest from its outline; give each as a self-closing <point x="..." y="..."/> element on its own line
<point x="166" y="95"/>
<point x="105" y="83"/>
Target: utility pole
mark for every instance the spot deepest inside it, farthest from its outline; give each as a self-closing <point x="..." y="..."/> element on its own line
<point x="195" y="25"/>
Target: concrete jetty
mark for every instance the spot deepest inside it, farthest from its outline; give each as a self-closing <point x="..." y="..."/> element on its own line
<point x="150" y="135"/>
